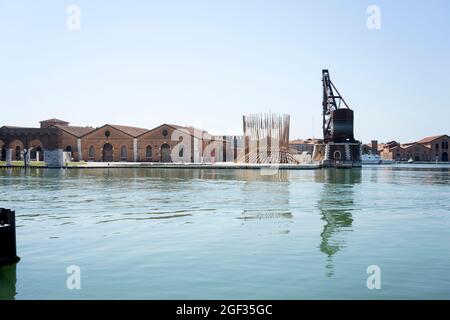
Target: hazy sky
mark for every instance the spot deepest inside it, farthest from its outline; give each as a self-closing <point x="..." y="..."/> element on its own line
<point x="206" y="63"/>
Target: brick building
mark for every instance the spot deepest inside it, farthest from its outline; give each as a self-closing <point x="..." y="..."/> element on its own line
<point x="438" y="146"/>
<point x="113" y="143"/>
<point x="371" y="148"/>
<point x="433" y="148"/>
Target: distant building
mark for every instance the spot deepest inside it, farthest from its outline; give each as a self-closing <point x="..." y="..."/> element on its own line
<point x="53" y="122"/>
<point x="371" y="148"/>
<point x="438" y="146"/>
<point x="433" y="148"/>
<point x="299" y="146"/>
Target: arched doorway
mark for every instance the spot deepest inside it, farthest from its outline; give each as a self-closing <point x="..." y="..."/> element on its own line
<point x="69" y="152"/>
<point x="149" y="153"/>
<point x="107" y="152"/>
<point x="18" y="153"/>
<point x="35" y="150"/>
<point x="36" y="154"/>
<point x="165" y="153"/>
<point x="123" y="154"/>
<point x="39" y="154"/>
<point x="445" y="157"/>
<point x="337" y="155"/>
<point x="91" y="154"/>
<point x="33" y="155"/>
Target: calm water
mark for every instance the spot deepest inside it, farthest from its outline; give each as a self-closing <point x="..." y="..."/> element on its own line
<point x="187" y="234"/>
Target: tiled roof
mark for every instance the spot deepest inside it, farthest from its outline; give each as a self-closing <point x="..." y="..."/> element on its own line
<point x="74" y="130"/>
<point x="15" y="127"/>
<point x="174" y="125"/>
<point x="414" y="144"/>
<point x="132" y="131"/>
<point x="193" y="131"/>
<point x="391" y="144"/>
<point x="430" y="139"/>
<point x="53" y="120"/>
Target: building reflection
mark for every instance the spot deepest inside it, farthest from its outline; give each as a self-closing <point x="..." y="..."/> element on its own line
<point x="8" y="281"/>
<point x="262" y="199"/>
<point x="106" y="175"/>
<point x="336" y="204"/>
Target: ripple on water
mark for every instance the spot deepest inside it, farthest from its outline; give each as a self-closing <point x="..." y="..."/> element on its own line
<point x="308" y="234"/>
<point x="146" y="218"/>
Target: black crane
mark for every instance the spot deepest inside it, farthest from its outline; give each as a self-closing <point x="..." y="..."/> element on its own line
<point x="337" y="125"/>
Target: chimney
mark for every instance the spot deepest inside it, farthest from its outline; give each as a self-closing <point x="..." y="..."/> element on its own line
<point x="374" y="146"/>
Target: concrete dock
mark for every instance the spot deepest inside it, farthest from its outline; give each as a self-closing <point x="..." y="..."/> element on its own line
<point x="158" y="165"/>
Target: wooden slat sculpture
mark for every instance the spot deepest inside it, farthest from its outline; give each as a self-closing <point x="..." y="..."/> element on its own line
<point x="266" y="139"/>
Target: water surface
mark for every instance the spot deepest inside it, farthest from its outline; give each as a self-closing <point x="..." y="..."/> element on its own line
<point x="229" y="234"/>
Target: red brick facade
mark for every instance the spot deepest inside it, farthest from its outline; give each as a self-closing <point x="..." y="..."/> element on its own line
<point x="109" y="143"/>
<point x="165" y="143"/>
<point x="428" y="149"/>
<point x="95" y="145"/>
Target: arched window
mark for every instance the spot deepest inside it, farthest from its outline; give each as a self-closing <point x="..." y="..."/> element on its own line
<point x="437" y="146"/>
<point x="443" y="145"/>
<point x="123" y="153"/>
<point x="91" y="153"/>
<point x="149" y="153"/>
<point x="337" y="155"/>
<point x="181" y="152"/>
<point x="69" y="149"/>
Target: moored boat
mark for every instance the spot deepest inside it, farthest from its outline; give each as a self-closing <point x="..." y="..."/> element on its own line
<point x="370" y="159"/>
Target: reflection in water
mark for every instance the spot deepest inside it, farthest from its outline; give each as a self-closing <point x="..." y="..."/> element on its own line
<point x="265" y="200"/>
<point x="181" y="174"/>
<point x="336" y="204"/>
<point x="265" y="214"/>
<point x="260" y="230"/>
<point x="8" y="282"/>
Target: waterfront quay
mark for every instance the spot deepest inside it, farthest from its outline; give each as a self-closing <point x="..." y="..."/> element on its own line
<point x="223" y="165"/>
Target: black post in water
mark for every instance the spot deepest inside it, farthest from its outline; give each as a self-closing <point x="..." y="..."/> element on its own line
<point x="8" y="250"/>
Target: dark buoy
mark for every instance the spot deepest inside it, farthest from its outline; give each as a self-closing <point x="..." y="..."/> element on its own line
<point x="8" y="250"/>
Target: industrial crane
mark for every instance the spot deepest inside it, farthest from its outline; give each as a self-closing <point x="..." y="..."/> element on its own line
<point x="337" y="116"/>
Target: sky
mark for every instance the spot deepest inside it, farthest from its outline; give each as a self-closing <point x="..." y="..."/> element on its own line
<point x="206" y="63"/>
